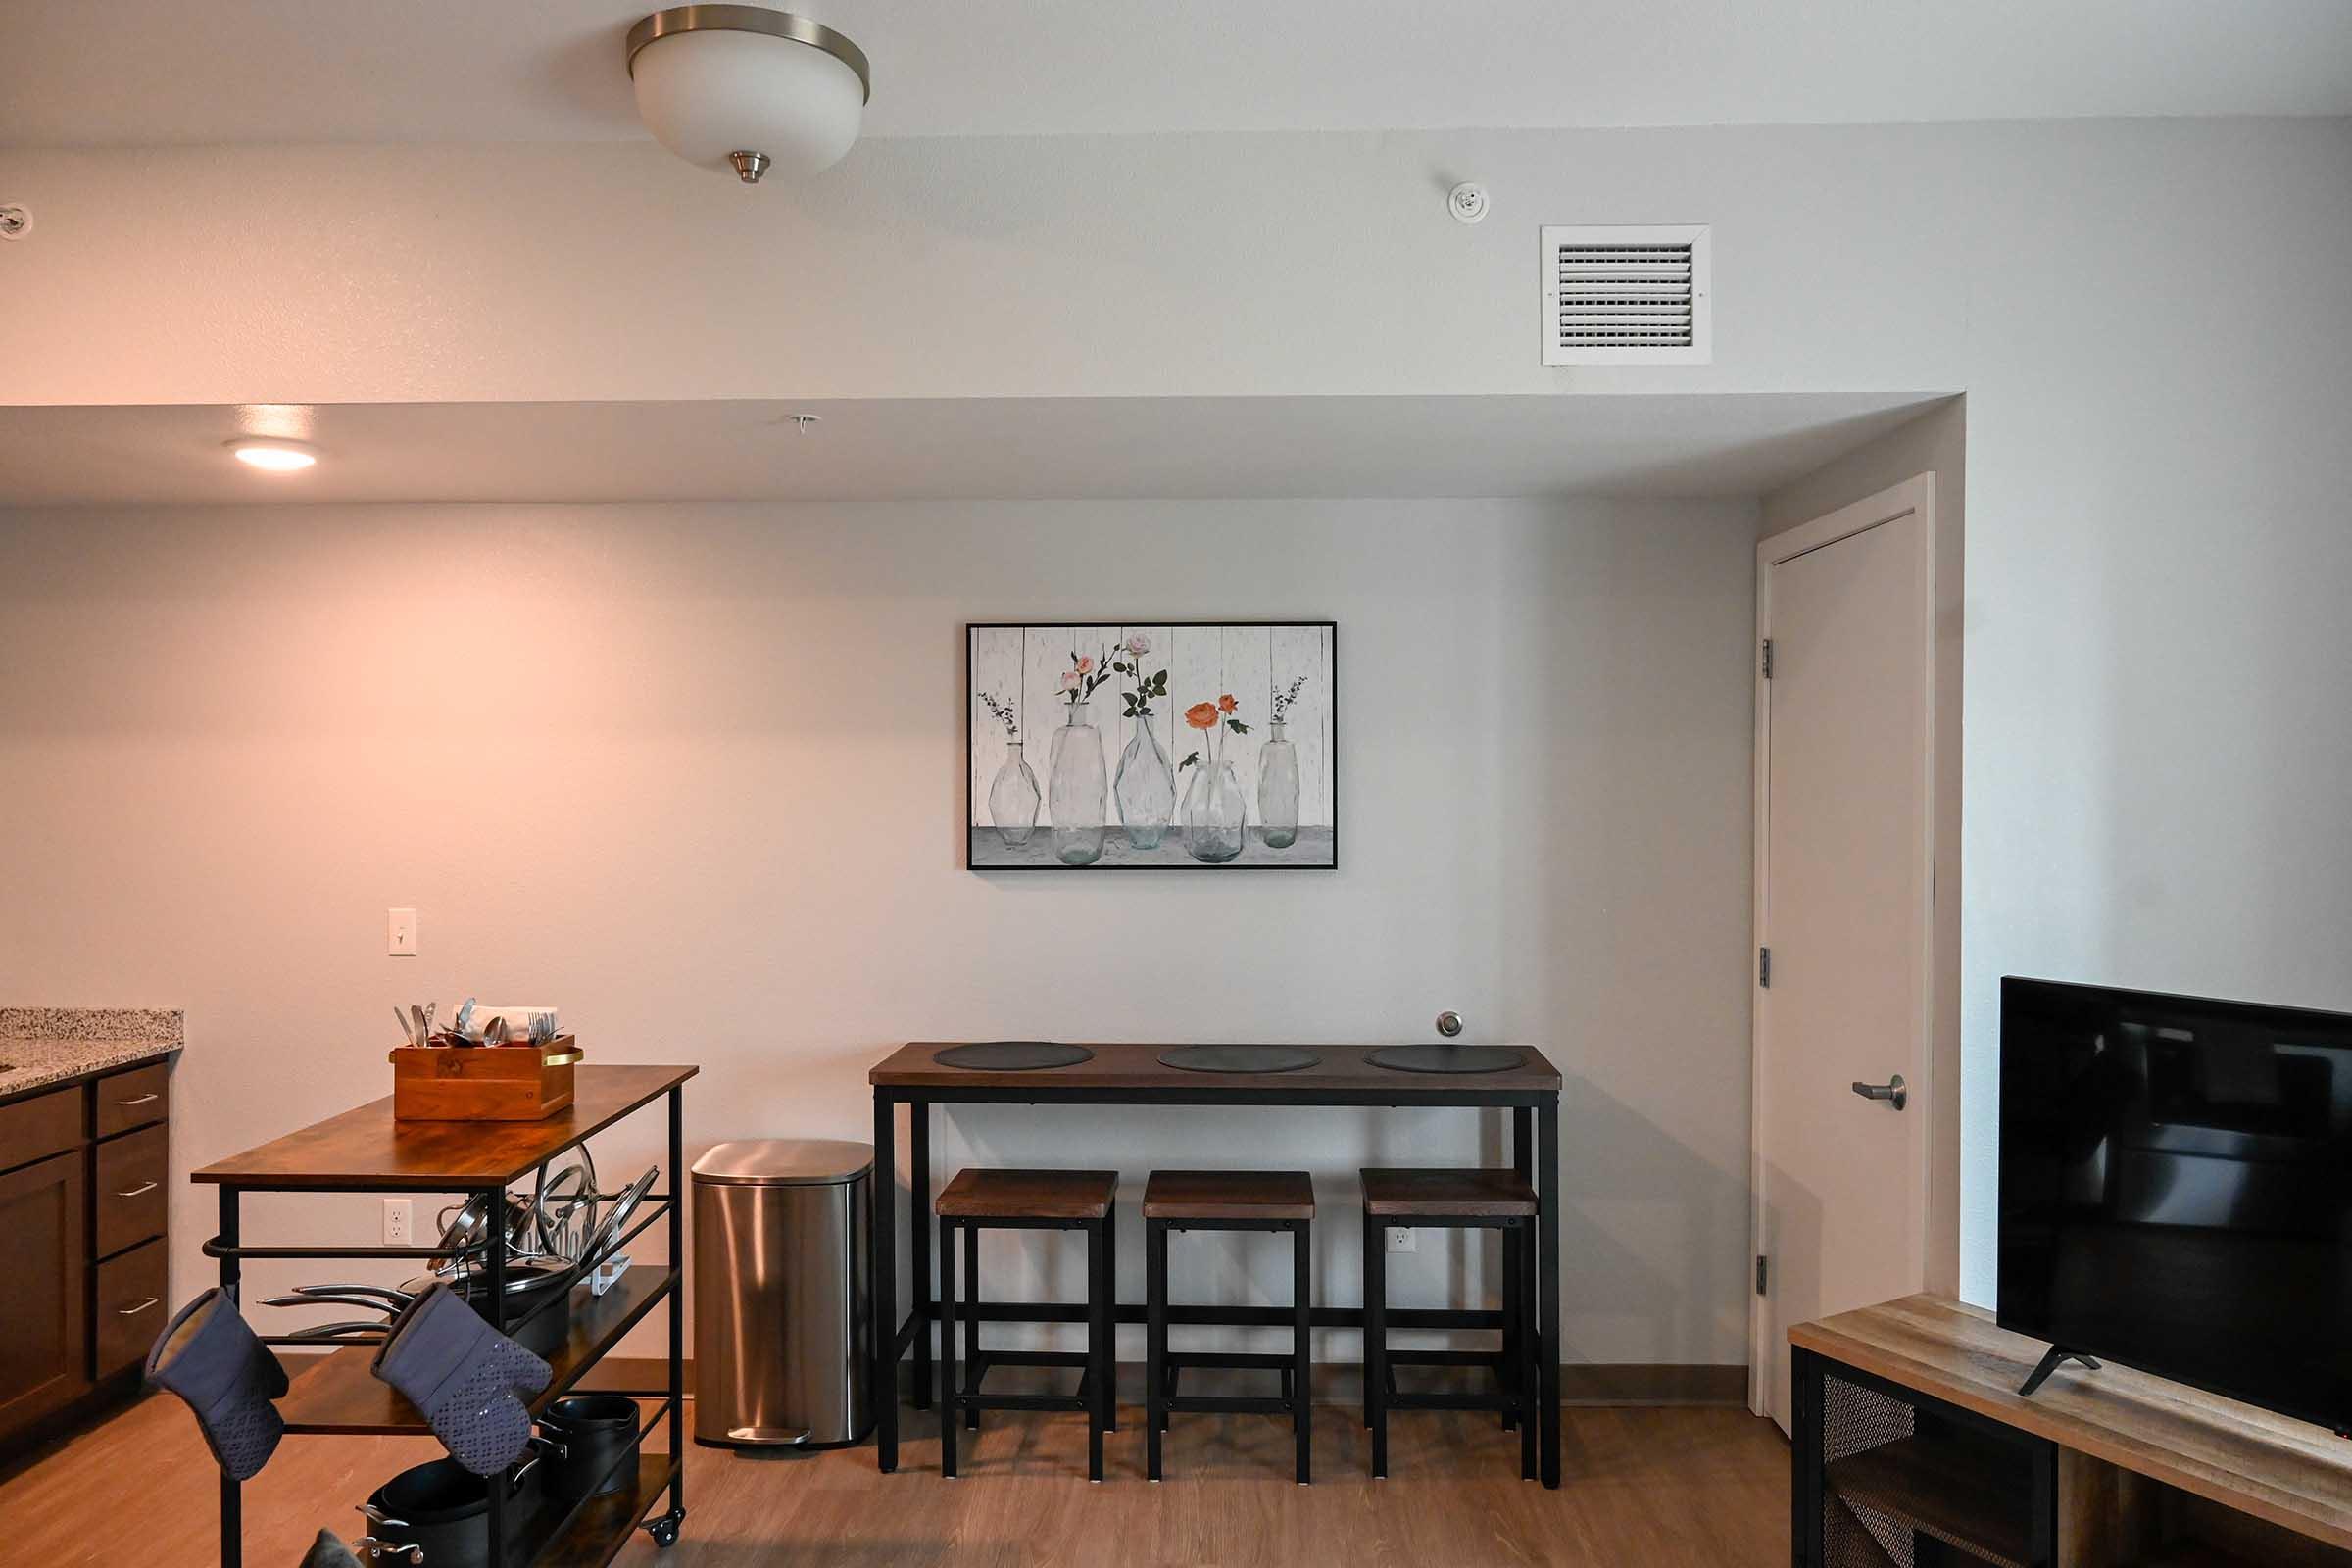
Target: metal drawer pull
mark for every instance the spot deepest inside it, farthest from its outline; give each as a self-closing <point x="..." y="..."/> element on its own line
<point x="134" y="1311"/>
<point x="141" y="1101"/>
<point x="140" y="1191"/>
<point x="1893" y="1092"/>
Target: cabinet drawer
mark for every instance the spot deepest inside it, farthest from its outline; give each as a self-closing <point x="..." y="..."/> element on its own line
<point x="130" y="1309"/>
<point x="133" y="1195"/>
<point x="133" y="1099"/>
<point x="36" y="1128"/>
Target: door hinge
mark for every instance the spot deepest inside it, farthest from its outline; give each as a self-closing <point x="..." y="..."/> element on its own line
<point x="1768" y="658"/>
<point x="1764" y="967"/>
<point x="1761" y="1274"/>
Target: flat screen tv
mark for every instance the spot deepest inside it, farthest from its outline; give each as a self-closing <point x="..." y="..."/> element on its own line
<point x="2176" y="1190"/>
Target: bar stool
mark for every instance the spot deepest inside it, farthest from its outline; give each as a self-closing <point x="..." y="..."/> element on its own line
<point x="1452" y="1199"/>
<point x="1226" y="1201"/>
<point x="1026" y="1200"/>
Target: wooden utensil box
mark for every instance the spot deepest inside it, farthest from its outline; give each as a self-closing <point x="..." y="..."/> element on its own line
<point x="483" y="1083"/>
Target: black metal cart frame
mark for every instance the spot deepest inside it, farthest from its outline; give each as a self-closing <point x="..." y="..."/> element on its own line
<point x="231" y="1252"/>
<point x="1535" y="1155"/>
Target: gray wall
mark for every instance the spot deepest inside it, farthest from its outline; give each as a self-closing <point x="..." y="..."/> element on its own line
<point x="695" y="773"/>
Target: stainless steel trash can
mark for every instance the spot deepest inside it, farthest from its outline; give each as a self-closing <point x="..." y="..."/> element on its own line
<point x="781" y="1292"/>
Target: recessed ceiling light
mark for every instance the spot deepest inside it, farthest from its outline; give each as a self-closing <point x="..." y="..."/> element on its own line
<point x="276" y="456"/>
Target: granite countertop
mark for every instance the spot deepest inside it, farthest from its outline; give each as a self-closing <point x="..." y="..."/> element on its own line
<point x="43" y="1045"/>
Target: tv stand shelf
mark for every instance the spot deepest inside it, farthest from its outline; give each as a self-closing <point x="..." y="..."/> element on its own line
<point x="2115" y="1468"/>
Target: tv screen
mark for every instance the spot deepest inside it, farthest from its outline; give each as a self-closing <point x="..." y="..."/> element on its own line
<point x="2176" y="1189"/>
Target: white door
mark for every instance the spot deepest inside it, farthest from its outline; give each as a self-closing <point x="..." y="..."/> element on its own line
<point x="1844" y="867"/>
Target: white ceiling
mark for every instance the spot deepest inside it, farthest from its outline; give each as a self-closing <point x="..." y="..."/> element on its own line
<point x="1173" y="448"/>
<point x="148" y="71"/>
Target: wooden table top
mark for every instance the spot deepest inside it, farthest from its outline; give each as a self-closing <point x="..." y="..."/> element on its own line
<point x="1133" y="1067"/>
<point x="2289" y="1472"/>
<point x="364" y="1149"/>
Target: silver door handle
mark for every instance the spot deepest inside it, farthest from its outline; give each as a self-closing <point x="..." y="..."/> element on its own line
<point x="143" y="1099"/>
<point x="140" y="1191"/>
<point x="1893" y="1092"/>
<point x="134" y="1311"/>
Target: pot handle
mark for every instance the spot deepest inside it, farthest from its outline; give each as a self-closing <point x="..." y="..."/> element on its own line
<point x="372" y="1547"/>
<point x="541" y="1448"/>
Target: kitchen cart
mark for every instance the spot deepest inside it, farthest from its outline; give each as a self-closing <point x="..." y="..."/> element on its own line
<point x="367" y="1150"/>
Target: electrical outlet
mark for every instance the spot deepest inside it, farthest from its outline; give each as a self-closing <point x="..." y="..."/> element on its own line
<point x="1403" y="1237"/>
<point x="400" y="1219"/>
<point x="402" y="933"/>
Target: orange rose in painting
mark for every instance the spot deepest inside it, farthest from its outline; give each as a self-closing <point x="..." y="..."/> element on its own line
<point x="1226" y="703"/>
<point x="1202" y="715"/>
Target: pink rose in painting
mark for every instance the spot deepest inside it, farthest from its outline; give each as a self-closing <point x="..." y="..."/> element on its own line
<point x="1139" y="645"/>
<point x="1070" y="680"/>
<point x="1086" y="666"/>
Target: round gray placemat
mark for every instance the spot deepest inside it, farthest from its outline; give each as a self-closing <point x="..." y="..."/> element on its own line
<point x="1011" y="1056"/>
<point x="1238" y="1058"/>
<point x="1446" y="1058"/>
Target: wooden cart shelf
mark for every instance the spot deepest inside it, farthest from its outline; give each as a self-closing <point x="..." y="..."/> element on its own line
<point x="340" y="1393"/>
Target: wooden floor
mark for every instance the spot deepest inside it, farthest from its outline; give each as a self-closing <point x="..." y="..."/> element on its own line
<point x="1643" y="1487"/>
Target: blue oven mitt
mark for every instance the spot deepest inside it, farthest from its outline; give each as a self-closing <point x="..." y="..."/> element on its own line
<point x="211" y="1358"/>
<point x="468" y="1379"/>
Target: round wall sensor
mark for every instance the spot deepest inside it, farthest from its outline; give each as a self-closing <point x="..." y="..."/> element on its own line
<point x="1449" y="1024"/>
<point x="1467" y="202"/>
<point x="15" y="222"/>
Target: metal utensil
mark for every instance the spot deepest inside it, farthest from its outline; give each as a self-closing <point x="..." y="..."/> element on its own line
<point x="422" y="1019"/>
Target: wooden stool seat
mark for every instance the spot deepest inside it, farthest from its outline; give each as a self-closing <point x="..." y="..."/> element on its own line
<point x="1395" y="1193"/>
<point x="1029" y="1194"/>
<point x="1181" y="1195"/>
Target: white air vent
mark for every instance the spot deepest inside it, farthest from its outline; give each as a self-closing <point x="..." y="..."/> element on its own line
<point x="1626" y="296"/>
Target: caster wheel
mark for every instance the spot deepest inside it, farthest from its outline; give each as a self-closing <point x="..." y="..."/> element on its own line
<point x="665" y="1531"/>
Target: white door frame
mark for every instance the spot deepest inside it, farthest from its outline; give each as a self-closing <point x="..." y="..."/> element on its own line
<point x="1916" y="495"/>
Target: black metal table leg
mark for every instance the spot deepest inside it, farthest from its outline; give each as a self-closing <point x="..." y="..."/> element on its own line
<point x="1376" y="1342"/>
<point x="1547" y="1295"/>
<point x="918" y="1245"/>
<point x="971" y="1323"/>
<point x="1155" y="1341"/>
<point x="1522" y="1243"/>
<point x="233" y="1495"/>
<point x="494" y="1252"/>
<point x="1302" y="1392"/>
<point x="677" y="1316"/>
<point x="949" y="1395"/>
<point x="884" y="1261"/>
<point x="1098" y="1340"/>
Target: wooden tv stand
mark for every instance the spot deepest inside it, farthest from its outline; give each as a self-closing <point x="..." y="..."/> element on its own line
<point x="1913" y="1446"/>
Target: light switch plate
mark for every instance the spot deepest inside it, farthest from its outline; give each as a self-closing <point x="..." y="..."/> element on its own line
<point x="1402" y="1237"/>
<point x="403" y="935"/>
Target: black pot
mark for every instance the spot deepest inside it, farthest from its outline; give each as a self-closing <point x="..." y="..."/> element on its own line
<point x="443" y="1507"/>
<point x="587" y="1433"/>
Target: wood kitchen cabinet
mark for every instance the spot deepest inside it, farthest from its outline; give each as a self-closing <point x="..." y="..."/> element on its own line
<point x="84" y="1210"/>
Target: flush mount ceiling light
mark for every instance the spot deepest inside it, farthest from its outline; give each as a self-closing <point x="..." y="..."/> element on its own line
<point x="276" y="456"/>
<point x="748" y="89"/>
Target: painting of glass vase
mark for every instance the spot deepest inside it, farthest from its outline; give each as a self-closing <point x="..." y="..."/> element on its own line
<point x="1177" y="745"/>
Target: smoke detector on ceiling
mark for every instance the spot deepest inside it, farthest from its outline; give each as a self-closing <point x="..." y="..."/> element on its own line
<point x="15" y="221"/>
<point x="1628" y="295"/>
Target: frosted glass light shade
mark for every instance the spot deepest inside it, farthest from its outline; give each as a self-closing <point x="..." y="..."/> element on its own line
<point x="712" y="93"/>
